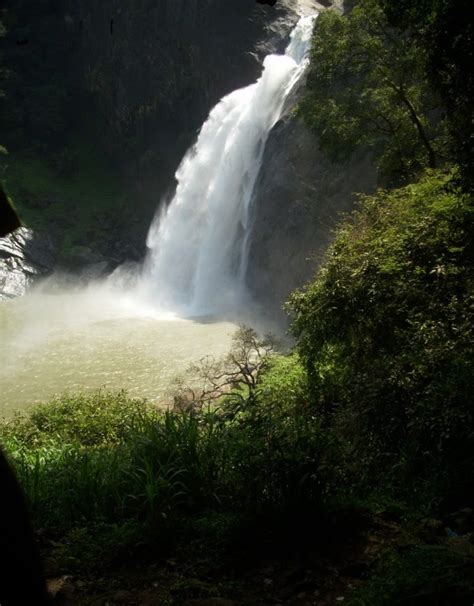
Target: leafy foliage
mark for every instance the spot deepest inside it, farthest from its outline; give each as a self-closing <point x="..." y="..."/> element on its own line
<point x="368" y="88"/>
<point x="97" y="419"/>
<point x="446" y="33"/>
<point x="386" y="333"/>
<point x="88" y="459"/>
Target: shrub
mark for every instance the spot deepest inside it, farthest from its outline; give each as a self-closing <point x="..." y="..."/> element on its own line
<point x="91" y="419"/>
<point x="104" y="458"/>
<point x="386" y="332"/>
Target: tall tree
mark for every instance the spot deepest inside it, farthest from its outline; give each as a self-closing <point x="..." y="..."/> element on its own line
<point x="445" y="29"/>
<point x="368" y="87"/>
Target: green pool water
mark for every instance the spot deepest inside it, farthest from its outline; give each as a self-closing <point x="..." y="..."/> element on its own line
<point x="97" y="338"/>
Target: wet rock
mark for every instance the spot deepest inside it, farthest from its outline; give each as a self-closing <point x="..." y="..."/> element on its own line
<point x="34" y="249"/>
<point x="81" y="258"/>
<point x="298" y="200"/>
<point x="13" y="281"/>
<point x="123" y="251"/>
<point x="24" y="256"/>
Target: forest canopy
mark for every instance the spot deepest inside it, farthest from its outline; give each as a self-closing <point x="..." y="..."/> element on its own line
<point x="394" y="79"/>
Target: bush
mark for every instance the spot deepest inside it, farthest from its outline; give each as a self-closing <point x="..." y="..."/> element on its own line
<point x="386" y="333"/>
<point x="94" y="419"/>
<point x="105" y="458"/>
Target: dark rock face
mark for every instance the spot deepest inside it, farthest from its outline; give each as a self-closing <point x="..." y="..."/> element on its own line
<point x="152" y="71"/>
<point x="24" y="257"/>
<point x="142" y="75"/>
<point x="298" y="199"/>
<point x="133" y="78"/>
<point x="9" y="220"/>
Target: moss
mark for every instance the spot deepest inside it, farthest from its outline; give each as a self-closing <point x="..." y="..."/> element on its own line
<point x="75" y="194"/>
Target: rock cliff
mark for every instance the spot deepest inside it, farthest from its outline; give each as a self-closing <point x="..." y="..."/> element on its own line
<point x="299" y="196"/>
<point x="24" y="256"/>
<point x="139" y="78"/>
<point x="134" y="79"/>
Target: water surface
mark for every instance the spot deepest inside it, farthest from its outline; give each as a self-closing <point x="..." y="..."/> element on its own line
<point x="94" y="338"/>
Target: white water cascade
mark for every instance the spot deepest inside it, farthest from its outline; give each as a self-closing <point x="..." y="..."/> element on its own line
<point x="198" y="246"/>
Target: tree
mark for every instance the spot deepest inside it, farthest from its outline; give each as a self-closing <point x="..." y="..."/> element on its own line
<point x="368" y="88"/>
<point x="236" y="376"/>
<point x="386" y="332"/>
<point x="445" y="29"/>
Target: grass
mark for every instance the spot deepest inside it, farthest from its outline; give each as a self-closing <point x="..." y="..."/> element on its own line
<point x="105" y="457"/>
<point x="95" y="458"/>
<point x="111" y="482"/>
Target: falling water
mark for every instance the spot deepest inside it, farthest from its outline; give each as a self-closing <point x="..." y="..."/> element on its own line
<point x="198" y="246"/>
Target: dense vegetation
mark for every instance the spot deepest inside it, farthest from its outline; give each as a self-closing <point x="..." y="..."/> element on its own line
<point x="444" y="30"/>
<point x="364" y="434"/>
<point x="395" y="79"/>
<point x="385" y="329"/>
<point x="111" y="481"/>
<point x="368" y="89"/>
<point x="386" y="332"/>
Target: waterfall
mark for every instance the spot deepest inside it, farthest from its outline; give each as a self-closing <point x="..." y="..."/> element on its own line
<point x="198" y="245"/>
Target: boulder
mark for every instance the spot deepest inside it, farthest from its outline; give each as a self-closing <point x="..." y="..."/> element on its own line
<point x="25" y="256"/>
